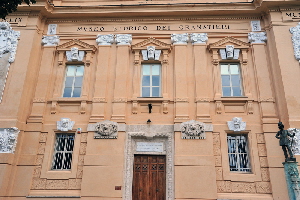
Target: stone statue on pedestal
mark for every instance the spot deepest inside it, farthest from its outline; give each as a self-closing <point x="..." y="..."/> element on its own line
<point x="285" y="142"/>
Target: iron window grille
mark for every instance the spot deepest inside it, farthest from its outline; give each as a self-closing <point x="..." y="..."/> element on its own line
<point x="231" y="79"/>
<point x="151" y="80"/>
<point x="238" y="153"/>
<point x="63" y="151"/>
<point x="73" y="81"/>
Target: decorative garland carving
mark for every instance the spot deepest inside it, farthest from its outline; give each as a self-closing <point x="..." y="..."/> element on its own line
<point x="192" y="130"/>
<point x="106" y="130"/>
<point x="296" y="40"/>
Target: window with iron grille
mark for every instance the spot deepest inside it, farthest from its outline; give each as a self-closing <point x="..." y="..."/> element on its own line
<point x="231" y="79"/>
<point x="63" y="151"/>
<point x="73" y="81"/>
<point x="238" y="153"/>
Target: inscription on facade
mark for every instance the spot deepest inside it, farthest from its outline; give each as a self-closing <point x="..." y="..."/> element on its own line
<point x="149" y="147"/>
<point x="288" y="16"/>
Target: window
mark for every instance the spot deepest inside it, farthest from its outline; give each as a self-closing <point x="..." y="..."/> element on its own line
<point x="231" y="80"/>
<point x="238" y="153"/>
<point x="63" y="151"/>
<point x="151" y="80"/>
<point x="73" y="81"/>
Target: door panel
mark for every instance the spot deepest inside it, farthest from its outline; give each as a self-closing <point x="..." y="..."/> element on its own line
<point x="149" y="177"/>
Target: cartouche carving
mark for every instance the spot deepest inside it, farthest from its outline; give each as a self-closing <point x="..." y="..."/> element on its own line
<point x="106" y="130"/>
<point x="192" y="130"/>
<point x="65" y="124"/>
<point x="236" y="124"/>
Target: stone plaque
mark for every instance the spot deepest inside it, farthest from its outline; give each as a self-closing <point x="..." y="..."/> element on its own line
<point x="149" y="147"/>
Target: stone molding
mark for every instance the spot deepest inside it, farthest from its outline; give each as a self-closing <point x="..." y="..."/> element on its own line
<point x="236" y="124"/>
<point x="179" y="38"/>
<point x="9" y="41"/>
<point x="65" y="124"/>
<point x="257" y="37"/>
<point x="104" y="130"/>
<point x="123" y="39"/>
<point x="198" y="38"/>
<point x="105" y="39"/>
<point x="296" y="40"/>
<point x="8" y="139"/>
<point x="50" y="40"/>
<point x="192" y="130"/>
<point x="74" y="55"/>
<point x="149" y="133"/>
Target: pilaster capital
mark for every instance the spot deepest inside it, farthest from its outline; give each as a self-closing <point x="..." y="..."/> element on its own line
<point x="257" y="37"/>
<point x="123" y="39"/>
<point x="51" y="40"/>
<point x="179" y="38"/>
<point x="105" y="39"/>
<point x="199" y="38"/>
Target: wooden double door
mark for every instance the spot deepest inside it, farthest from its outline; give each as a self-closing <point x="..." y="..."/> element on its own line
<point x="149" y="177"/>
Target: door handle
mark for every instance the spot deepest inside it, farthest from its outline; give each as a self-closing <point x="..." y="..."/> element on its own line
<point x="157" y="190"/>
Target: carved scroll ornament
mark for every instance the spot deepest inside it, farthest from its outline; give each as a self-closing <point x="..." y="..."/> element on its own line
<point x="236" y="124"/>
<point x="192" y="130"/>
<point x="65" y="124"/>
<point x="8" y="139"/>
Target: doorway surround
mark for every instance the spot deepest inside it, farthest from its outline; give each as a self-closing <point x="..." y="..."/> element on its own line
<point x="163" y="134"/>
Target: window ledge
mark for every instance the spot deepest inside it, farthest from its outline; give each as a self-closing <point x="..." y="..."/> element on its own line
<point x="64" y="99"/>
<point x="141" y="99"/>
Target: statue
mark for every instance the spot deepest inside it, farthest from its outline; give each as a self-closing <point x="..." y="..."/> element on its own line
<point x="284" y="142"/>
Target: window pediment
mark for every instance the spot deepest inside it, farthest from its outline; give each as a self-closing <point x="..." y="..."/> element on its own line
<point x="151" y="42"/>
<point x="229" y="41"/>
<point x="78" y="44"/>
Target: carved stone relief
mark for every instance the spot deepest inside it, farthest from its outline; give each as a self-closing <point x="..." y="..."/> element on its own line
<point x="257" y="37"/>
<point x="295" y="140"/>
<point x="124" y="39"/>
<point x="65" y="124"/>
<point x="229" y="53"/>
<point x="153" y="133"/>
<point x="255" y="26"/>
<point x="51" y="40"/>
<point x="151" y="53"/>
<point x="193" y="130"/>
<point x="52" y="29"/>
<point x="236" y="124"/>
<point x="179" y="38"/>
<point x="8" y="139"/>
<point x="105" y="39"/>
<point x="74" y="55"/>
<point x="104" y="130"/>
<point x="296" y="40"/>
<point x="8" y="49"/>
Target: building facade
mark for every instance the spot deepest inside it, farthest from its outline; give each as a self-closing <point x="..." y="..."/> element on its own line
<point x="148" y="100"/>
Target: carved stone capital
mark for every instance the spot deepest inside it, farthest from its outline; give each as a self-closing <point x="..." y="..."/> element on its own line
<point x="236" y="124"/>
<point x="9" y="41"/>
<point x="52" y="40"/>
<point x="124" y="39"/>
<point x="8" y="139"/>
<point x="105" y="39"/>
<point x="296" y="40"/>
<point x="179" y="38"/>
<point x="192" y="130"/>
<point x="74" y="55"/>
<point x="65" y="124"/>
<point x="257" y="37"/>
<point x="199" y="38"/>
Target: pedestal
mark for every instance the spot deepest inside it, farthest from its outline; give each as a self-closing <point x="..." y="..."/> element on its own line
<point x="292" y="179"/>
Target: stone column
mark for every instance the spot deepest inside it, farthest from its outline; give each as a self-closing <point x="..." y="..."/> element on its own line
<point x="121" y="77"/>
<point x="44" y="77"/>
<point x="202" y="91"/>
<point x="180" y="61"/>
<point x="99" y="98"/>
<point x="266" y="97"/>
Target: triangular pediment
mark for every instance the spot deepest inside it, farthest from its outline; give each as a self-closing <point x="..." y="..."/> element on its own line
<point x="229" y="41"/>
<point x="151" y="42"/>
<point x="76" y="43"/>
